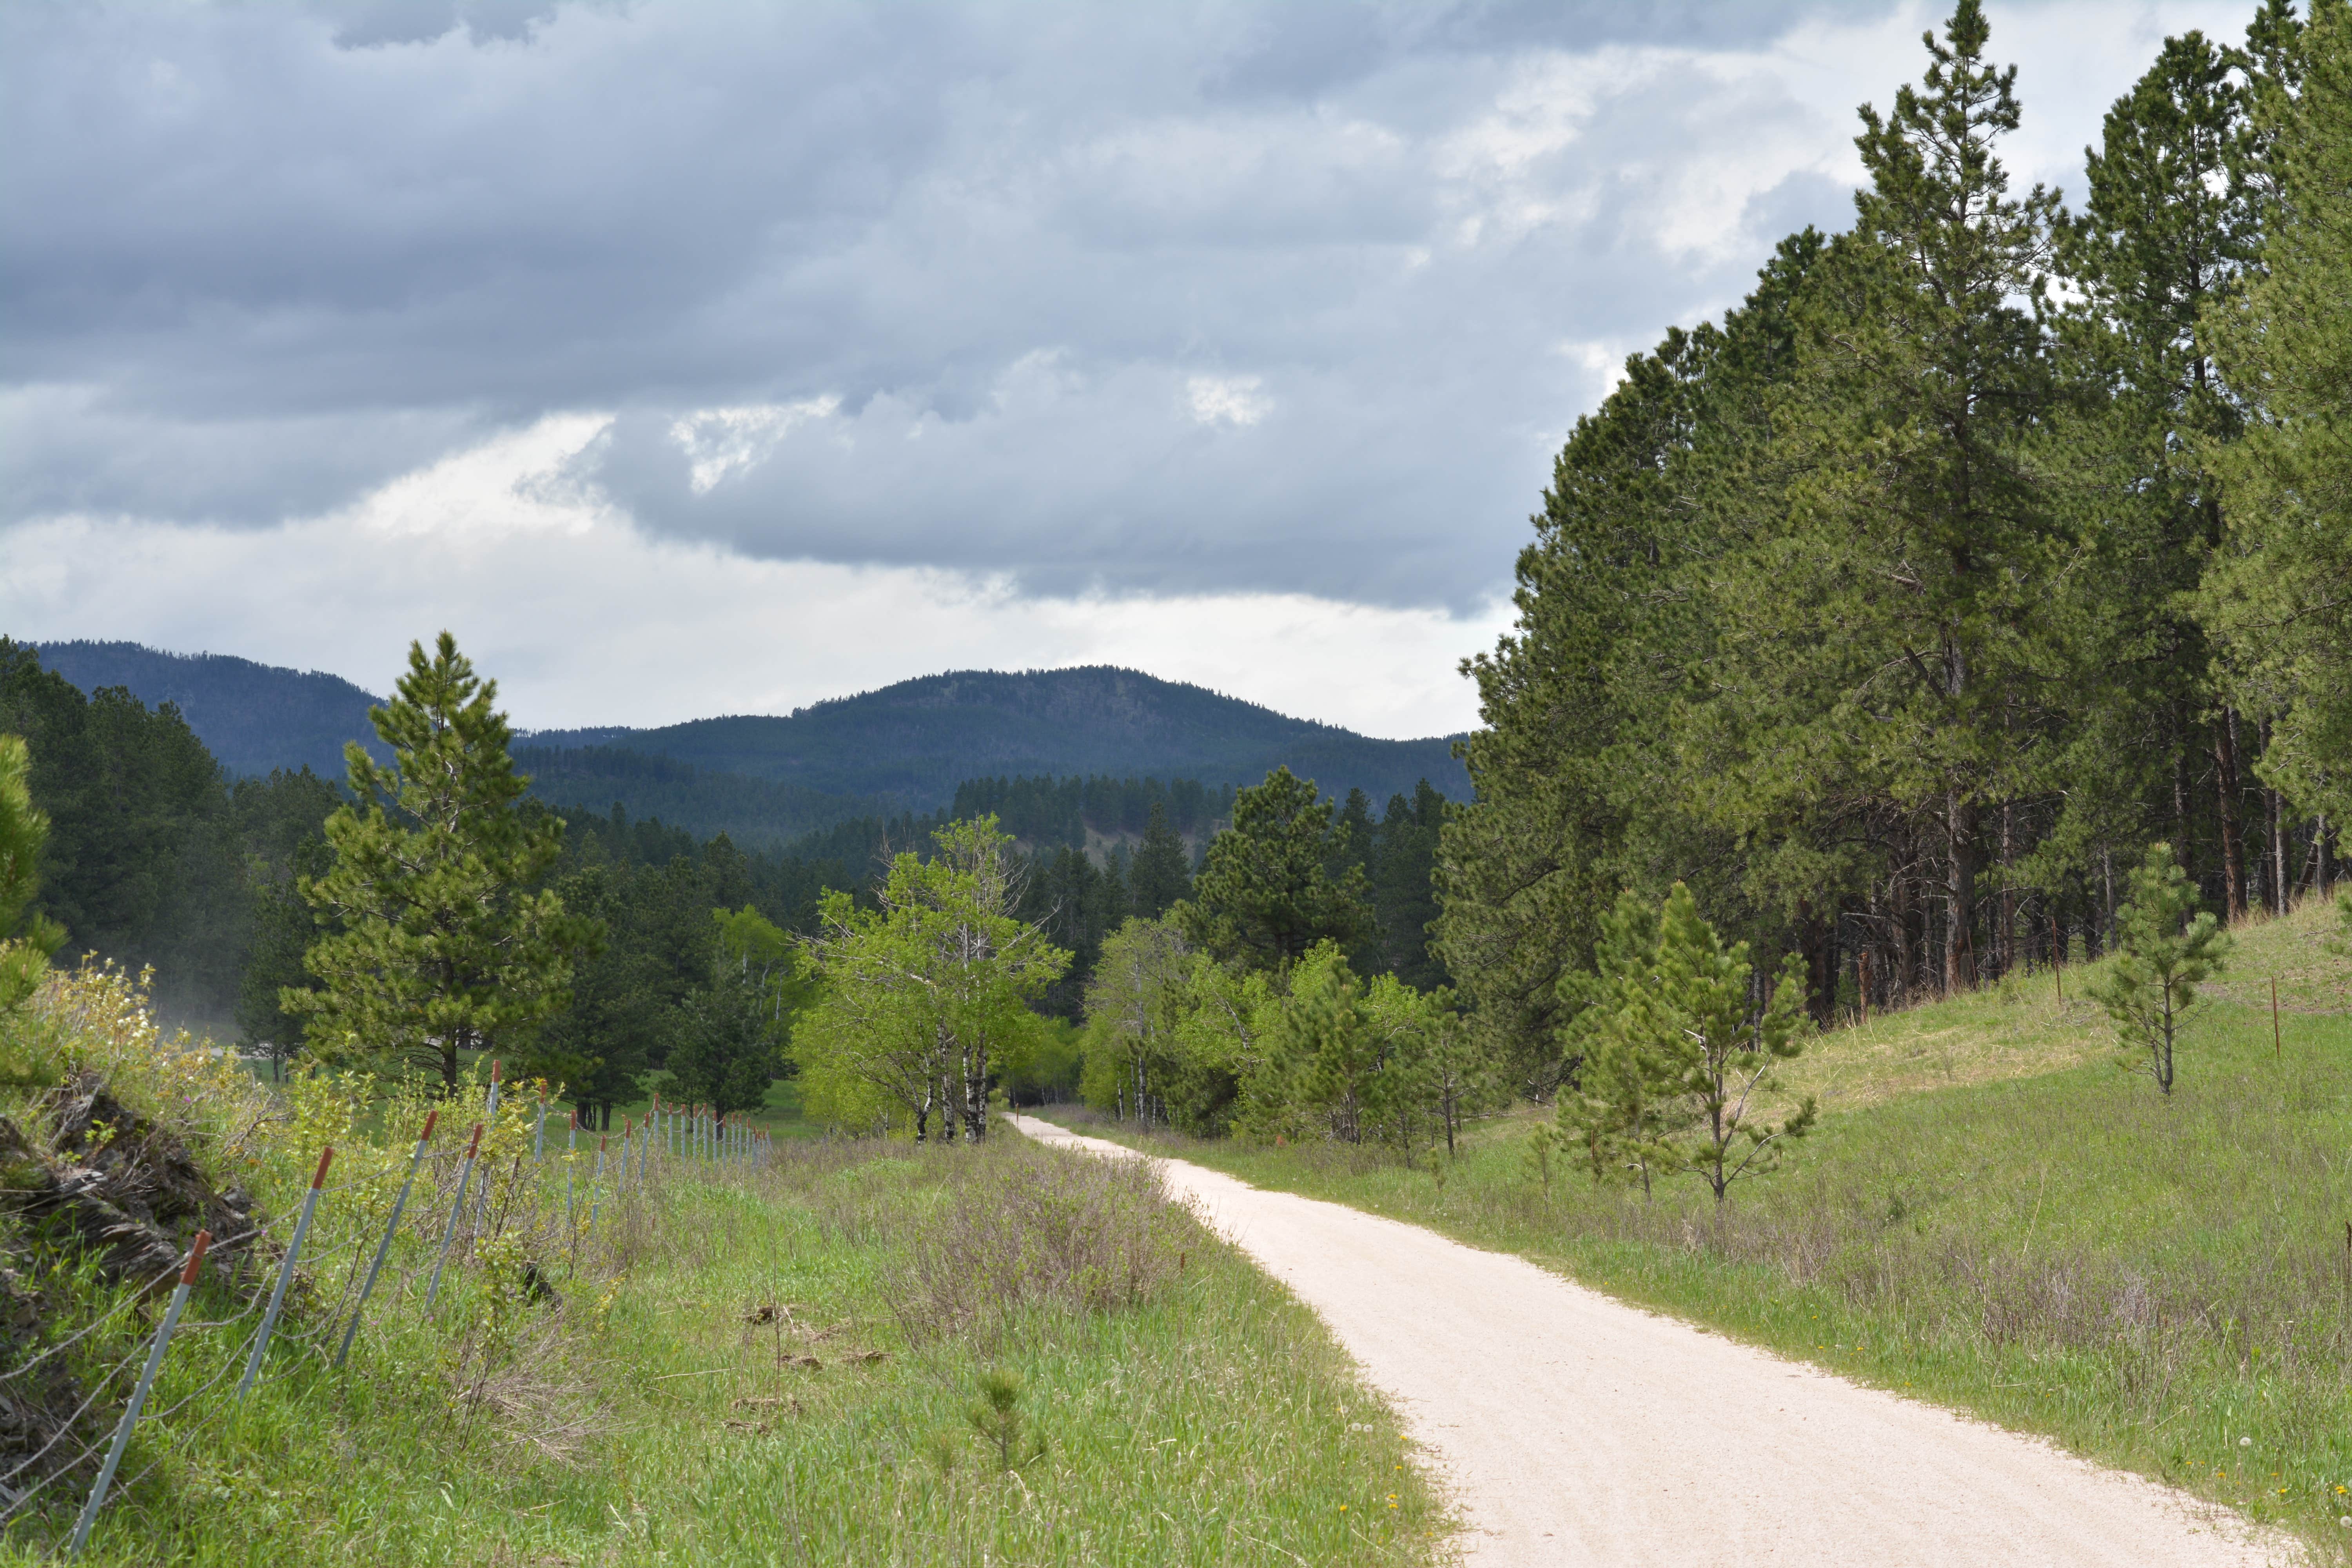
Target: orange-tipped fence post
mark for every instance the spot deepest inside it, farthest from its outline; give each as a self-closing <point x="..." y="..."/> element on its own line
<point x="2278" y="1044"/>
<point x="539" y="1133"/>
<point x="456" y="1211"/>
<point x="392" y="1227"/>
<point x="139" y="1394"/>
<point x="285" y="1273"/>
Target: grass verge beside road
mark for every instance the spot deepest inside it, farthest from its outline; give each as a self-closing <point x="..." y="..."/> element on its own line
<point x="784" y="1367"/>
<point x="2165" y="1286"/>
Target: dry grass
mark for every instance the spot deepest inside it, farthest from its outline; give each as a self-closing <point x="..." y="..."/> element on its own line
<point x="1020" y="1230"/>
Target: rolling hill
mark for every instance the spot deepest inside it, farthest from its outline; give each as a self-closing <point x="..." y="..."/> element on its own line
<point x="767" y="779"/>
<point x="913" y="743"/>
<point x="251" y="717"/>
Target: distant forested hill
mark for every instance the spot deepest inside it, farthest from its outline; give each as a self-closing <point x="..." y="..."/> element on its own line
<point x="757" y="814"/>
<point x="915" y="742"/>
<point x="768" y="781"/>
<point x="251" y="717"/>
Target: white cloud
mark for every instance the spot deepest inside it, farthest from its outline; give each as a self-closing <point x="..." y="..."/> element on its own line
<point x="721" y="441"/>
<point x="819" y="336"/>
<point x="1229" y="399"/>
<point x="586" y="619"/>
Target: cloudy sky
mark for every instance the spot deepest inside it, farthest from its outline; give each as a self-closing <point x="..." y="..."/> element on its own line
<point x="709" y="357"/>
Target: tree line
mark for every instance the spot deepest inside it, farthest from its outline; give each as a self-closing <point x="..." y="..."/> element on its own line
<point x="1984" y="544"/>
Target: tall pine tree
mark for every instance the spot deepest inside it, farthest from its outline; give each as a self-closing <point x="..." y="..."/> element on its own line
<point x="437" y="941"/>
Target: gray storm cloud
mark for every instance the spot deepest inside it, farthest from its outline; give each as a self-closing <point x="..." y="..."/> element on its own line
<point x="1156" y="298"/>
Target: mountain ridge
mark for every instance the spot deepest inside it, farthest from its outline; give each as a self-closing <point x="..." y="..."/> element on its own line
<point x="916" y="739"/>
<point x="771" y="778"/>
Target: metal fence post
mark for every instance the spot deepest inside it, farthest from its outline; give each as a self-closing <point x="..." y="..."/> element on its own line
<point x="595" y="1182"/>
<point x="490" y="1121"/>
<point x="285" y="1273"/>
<point x="391" y="1227"/>
<point x="538" y="1134"/>
<point x="139" y="1396"/>
<point x="456" y="1212"/>
<point x="571" y="1145"/>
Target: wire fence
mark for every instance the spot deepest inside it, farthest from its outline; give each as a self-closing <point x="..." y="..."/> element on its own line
<point x="420" y="1232"/>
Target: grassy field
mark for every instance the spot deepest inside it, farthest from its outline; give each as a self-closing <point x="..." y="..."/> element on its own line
<point x="780" y="1368"/>
<point x="1996" y="1216"/>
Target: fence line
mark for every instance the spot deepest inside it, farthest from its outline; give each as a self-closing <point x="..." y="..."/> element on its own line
<point x="476" y="1204"/>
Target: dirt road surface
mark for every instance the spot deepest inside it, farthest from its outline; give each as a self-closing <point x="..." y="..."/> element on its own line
<point x="1574" y="1429"/>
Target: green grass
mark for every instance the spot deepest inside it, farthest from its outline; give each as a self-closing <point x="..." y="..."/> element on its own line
<point x="1994" y="1216"/>
<point x="1214" y="1423"/>
<point x="1192" y="1411"/>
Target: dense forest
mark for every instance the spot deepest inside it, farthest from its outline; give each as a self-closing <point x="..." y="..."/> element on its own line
<point x="1985" y="543"/>
<point x="256" y="718"/>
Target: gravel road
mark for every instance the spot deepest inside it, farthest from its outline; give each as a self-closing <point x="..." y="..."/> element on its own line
<point x="1574" y="1429"/>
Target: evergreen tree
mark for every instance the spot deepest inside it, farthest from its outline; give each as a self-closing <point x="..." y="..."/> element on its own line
<point x="1162" y="873"/>
<point x="2165" y="954"/>
<point x="2279" y="596"/>
<point x="2170" y="224"/>
<point x="1891" y="645"/>
<point x="438" y="942"/>
<point x="1266" y="895"/>
<point x="26" y="937"/>
<point x="282" y="930"/>
<point x="1402" y="873"/>
<point x="1681" y="1053"/>
<point x="730" y="1031"/>
<point x="1583" y="784"/>
<point x="1619" y="1110"/>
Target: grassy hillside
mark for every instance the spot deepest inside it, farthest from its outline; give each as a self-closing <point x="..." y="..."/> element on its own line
<point x="1994" y="1214"/>
<point x="918" y="740"/>
<point x="779" y="1366"/>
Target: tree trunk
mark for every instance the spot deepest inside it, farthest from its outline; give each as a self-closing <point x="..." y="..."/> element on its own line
<point x="2183" y="837"/>
<point x="1906" y="960"/>
<point x="1959" y="892"/>
<point x="2008" y="887"/>
<point x="2108" y="914"/>
<point x="975" y="1094"/>
<point x="2278" y="853"/>
<point x="2233" y="843"/>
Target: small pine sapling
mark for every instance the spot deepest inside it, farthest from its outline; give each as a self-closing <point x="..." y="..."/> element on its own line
<point x="1539" y="1157"/>
<point x="1001" y="1424"/>
<point x="1723" y="1047"/>
<point x="2163" y="953"/>
<point x="1619" y="1111"/>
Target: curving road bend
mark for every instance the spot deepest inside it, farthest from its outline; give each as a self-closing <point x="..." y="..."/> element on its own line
<point x="1575" y="1429"/>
